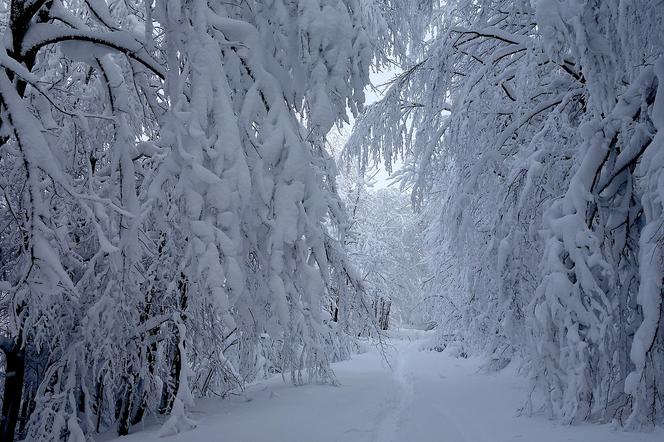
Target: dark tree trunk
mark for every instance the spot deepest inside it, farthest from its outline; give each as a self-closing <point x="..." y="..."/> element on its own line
<point x="99" y="403"/>
<point x="125" y="410"/>
<point x="170" y="389"/>
<point x="139" y="413"/>
<point x="27" y="407"/>
<point x="385" y="314"/>
<point x="163" y="400"/>
<point x="175" y="375"/>
<point x="28" y="404"/>
<point x="142" y="400"/>
<point x="335" y="307"/>
<point x="13" y="392"/>
<point x="382" y="308"/>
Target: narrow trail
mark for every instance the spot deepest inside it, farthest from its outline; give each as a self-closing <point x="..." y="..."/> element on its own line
<point x="390" y="420"/>
<point x="419" y="396"/>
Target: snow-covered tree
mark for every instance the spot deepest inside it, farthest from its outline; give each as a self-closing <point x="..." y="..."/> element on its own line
<point x="385" y="244"/>
<point x="530" y="133"/>
<point x="170" y="219"/>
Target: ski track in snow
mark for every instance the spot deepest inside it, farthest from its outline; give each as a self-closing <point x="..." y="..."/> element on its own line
<point x="420" y="396"/>
<point x="389" y="421"/>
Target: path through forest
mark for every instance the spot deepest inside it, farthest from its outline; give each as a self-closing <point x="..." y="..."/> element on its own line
<point x="421" y="396"/>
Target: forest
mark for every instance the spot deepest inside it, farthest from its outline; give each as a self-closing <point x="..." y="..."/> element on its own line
<point x="191" y="203"/>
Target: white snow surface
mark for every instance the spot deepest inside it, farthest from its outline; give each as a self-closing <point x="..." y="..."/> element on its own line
<point x="420" y="396"/>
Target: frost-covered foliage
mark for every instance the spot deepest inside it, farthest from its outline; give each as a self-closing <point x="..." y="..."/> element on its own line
<point x="385" y="245"/>
<point x="531" y="132"/>
<point x="170" y="220"/>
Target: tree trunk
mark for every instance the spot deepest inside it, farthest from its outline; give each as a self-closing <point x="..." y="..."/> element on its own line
<point x="28" y="403"/>
<point x="99" y="403"/>
<point x="125" y="409"/>
<point x="382" y="311"/>
<point x="168" y="394"/>
<point x="11" y="400"/>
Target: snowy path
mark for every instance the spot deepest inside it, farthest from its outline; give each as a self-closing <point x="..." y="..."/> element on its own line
<point x="423" y="396"/>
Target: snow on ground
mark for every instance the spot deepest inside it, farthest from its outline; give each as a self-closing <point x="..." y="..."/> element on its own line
<point x="420" y="396"/>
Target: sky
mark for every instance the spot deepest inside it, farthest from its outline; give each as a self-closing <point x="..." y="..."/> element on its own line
<point x="378" y="79"/>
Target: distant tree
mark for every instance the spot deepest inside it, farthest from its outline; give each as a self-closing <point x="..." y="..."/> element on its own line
<point x="384" y="243"/>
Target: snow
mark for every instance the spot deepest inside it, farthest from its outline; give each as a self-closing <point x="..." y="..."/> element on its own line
<point x="173" y="226"/>
<point x="420" y="396"/>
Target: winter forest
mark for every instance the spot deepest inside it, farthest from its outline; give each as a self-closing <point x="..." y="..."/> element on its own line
<point x="217" y="225"/>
